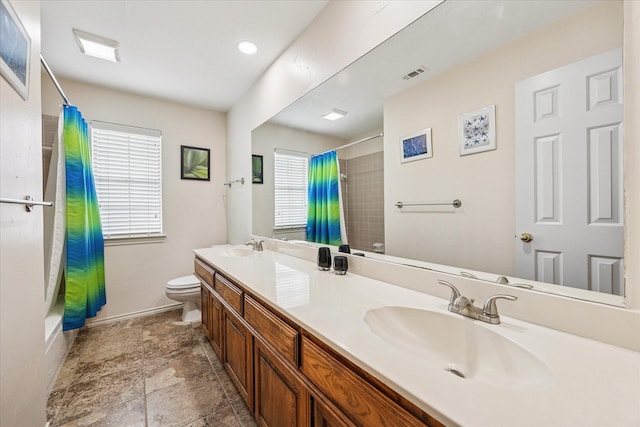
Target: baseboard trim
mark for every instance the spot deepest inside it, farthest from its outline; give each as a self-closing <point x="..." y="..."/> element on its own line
<point x="134" y="315"/>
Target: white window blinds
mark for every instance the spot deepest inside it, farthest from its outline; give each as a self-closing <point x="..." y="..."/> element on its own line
<point x="291" y="172"/>
<point x="127" y="167"/>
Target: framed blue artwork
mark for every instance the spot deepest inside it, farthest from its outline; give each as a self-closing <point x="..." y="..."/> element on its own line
<point x="416" y="146"/>
<point x="477" y="130"/>
<point x="15" y="50"/>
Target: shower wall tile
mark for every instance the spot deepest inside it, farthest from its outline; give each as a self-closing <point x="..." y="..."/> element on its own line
<point x="365" y="200"/>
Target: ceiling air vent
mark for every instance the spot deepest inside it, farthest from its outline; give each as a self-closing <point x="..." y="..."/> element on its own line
<point x="414" y="73"/>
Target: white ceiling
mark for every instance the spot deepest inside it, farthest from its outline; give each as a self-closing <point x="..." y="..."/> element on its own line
<point x="179" y="50"/>
<point x="452" y="33"/>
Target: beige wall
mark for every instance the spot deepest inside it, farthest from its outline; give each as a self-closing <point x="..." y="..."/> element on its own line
<point x="22" y="358"/>
<point x="342" y="32"/>
<point x="193" y="211"/>
<point x="266" y="138"/>
<point x="480" y="234"/>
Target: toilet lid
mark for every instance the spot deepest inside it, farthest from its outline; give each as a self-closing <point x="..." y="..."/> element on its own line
<point x="183" y="282"/>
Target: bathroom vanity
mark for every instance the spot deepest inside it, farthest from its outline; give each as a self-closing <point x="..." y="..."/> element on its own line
<point x="311" y="348"/>
<point x="286" y="375"/>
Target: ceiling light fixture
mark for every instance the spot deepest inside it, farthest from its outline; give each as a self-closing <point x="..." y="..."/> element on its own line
<point x="97" y="46"/>
<point x="335" y="114"/>
<point x="247" y="47"/>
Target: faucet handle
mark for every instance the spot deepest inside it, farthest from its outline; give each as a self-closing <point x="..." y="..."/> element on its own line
<point x="490" y="309"/>
<point x="258" y="245"/>
<point x="455" y="293"/>
<point x="502" y="280"/>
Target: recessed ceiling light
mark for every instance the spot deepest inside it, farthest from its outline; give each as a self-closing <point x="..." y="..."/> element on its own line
<point x="335" y="114"/>
<point x="97" y="46"/>
<point x="247" y="47"/>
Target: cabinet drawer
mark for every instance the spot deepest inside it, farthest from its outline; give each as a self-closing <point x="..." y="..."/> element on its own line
<point x="203" y="271"/>
<point x="229" y="292"/>
<point x="273" y="330"/>
<point x="362" y="402"/>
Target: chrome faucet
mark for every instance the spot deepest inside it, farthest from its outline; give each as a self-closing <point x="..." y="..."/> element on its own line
<point x="462" y="305"/>
<point x="256" y="245"/>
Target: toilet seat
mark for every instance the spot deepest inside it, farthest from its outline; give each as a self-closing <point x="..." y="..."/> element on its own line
<point x="185" y="283"/>
<point x="186" y="290"/>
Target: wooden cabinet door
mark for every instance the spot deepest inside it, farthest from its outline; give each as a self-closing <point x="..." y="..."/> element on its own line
<point x="326" y="415"/>
<point x="238" y="355"/>
<point x="215" y="324"/>
<point x="323" y="418"/>
<point x="354" y="396"/>
<point x="204" y="309"/>
<point x="281" y="399"/>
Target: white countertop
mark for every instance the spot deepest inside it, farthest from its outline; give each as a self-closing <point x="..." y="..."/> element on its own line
<point x="583" y="383"/>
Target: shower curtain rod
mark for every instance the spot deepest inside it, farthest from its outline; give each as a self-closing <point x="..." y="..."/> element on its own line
<point x="353" y="143"/>
<point x="53" y="79"/>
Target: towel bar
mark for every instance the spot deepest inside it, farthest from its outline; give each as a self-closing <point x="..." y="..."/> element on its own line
<point x="456" y="204"/>
<point x="28" y="202"/>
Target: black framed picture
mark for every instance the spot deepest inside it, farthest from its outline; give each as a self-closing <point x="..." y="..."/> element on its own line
<point x="256" y="169"/>
<point x="195" y="163"/>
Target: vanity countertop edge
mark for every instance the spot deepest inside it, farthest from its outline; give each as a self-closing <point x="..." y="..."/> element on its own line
<point x="586" y="387"/>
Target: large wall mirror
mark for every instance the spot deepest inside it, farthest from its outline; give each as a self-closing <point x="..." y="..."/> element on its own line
<point x="523" y="103"/>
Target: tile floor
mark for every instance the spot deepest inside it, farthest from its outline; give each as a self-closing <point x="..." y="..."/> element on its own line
<point x="150" y="371"/>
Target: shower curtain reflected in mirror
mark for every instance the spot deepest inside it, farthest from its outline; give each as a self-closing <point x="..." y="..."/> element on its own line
<point x="325" y="218"/>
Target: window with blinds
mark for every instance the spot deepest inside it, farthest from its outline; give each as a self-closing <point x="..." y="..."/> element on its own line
<point x="127" y="168"/>
<point x="291" y="174"/>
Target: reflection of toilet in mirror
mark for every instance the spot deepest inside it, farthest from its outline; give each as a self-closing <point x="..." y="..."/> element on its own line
<point x="186" y="289"/>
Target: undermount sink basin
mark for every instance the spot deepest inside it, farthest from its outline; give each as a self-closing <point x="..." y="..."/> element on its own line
<point x="237" y="251"/>
<point x="464" y="347"/>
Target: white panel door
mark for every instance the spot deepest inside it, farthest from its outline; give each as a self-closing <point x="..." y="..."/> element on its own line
<point x="569" y="175"/>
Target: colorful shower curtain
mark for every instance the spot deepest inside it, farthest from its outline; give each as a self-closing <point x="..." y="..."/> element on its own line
<point x="84" y="272"/>
<point x="324" y="215"/>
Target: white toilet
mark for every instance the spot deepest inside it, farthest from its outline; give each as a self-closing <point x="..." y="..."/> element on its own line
<point x="186" y="289"/>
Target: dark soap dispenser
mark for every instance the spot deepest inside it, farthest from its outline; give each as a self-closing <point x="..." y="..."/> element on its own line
<point x="324" y="258"/>
<point x="340" y="264"/>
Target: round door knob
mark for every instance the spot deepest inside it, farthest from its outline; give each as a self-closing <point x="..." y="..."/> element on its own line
<point x="526" y="237"/>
